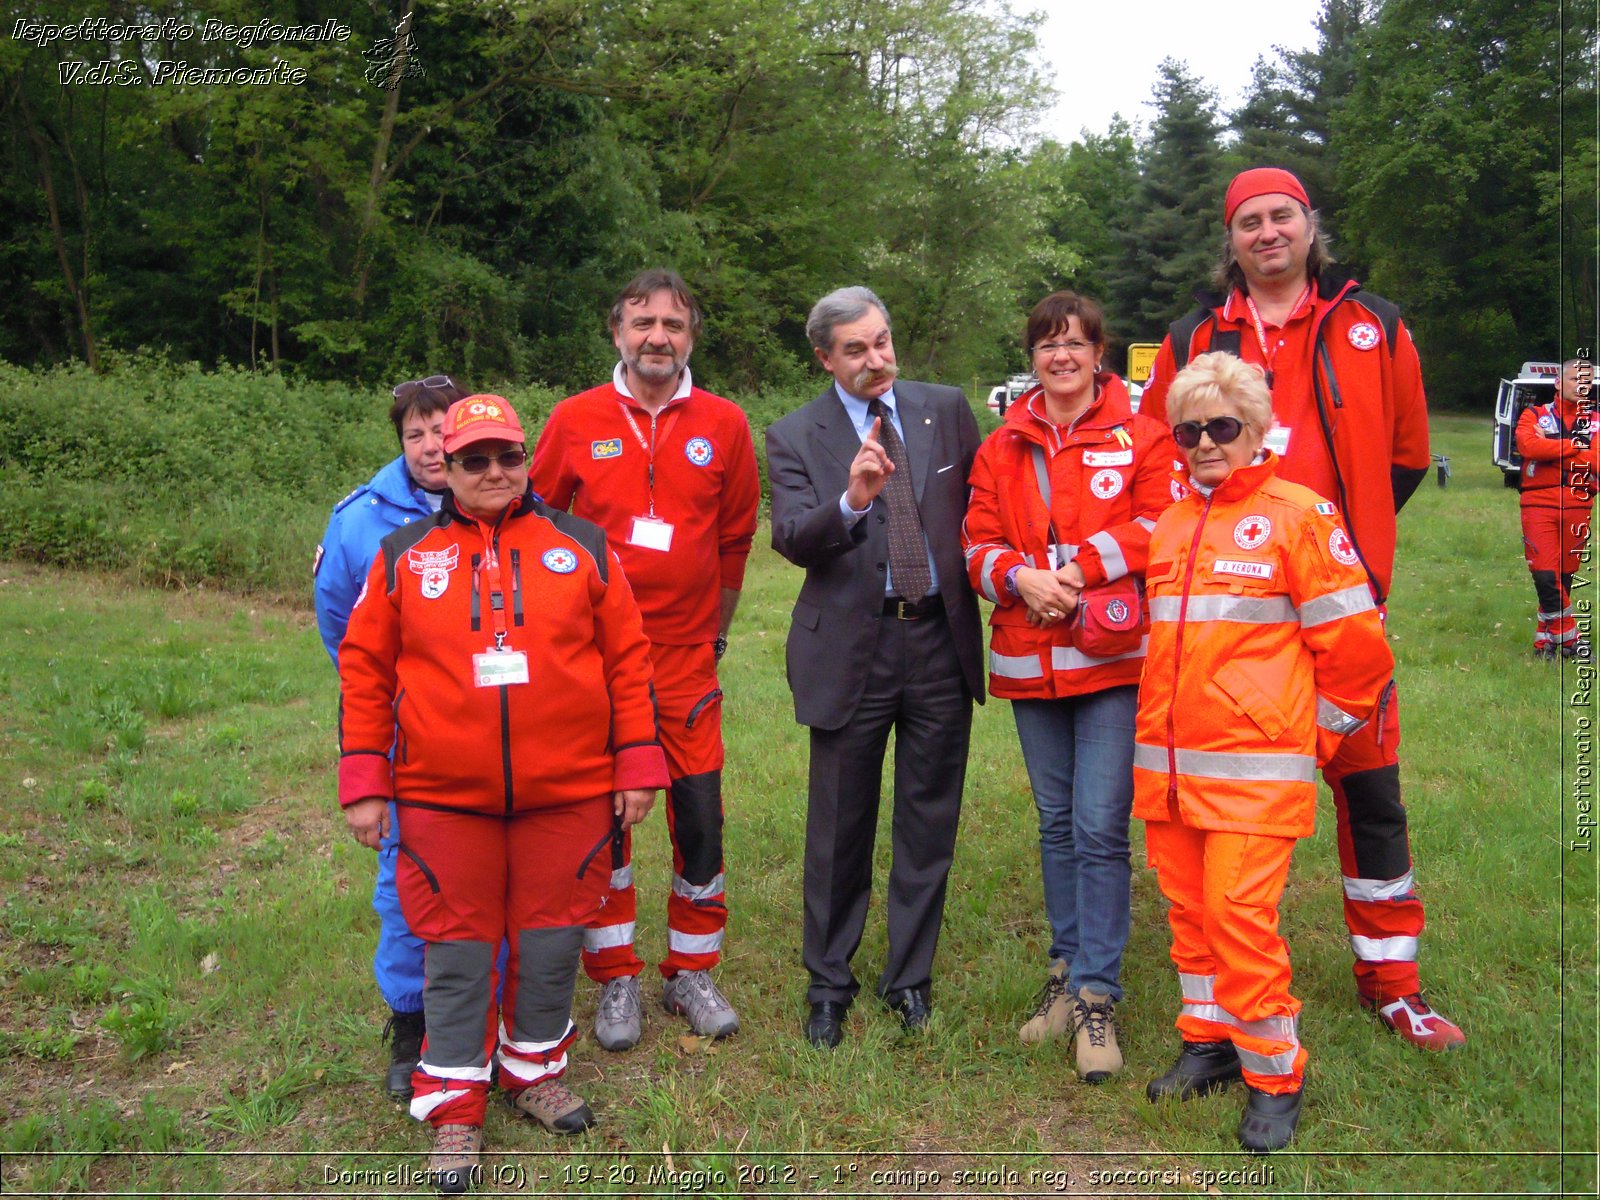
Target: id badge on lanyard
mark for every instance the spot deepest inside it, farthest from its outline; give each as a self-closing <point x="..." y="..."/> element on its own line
<point x="650" y="532"/>
<point x="497" y="666"/>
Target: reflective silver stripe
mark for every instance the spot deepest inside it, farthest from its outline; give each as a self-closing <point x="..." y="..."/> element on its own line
<point x="1378" y="889"/>
<point x="1267" y="1064"/>
<point x="1110" y="554"/>
<point x="1555" y="616"/>
<point x="1209" y="764"/>
<point x="422" y="1106"/>
<point x="1560" y="638"/>
<point x="1150" y="526"/>
<point x="1027" y="560"/>
<point x="1331" y="716"/>
<point x="622" y="878"/>
<point x="985" y="575"/>
<point x="682" y="887"/>
<point x="531" y="1047"/>
<point x="1279" y="1029"/>
<point x="1206" y="1012"/>
<point x="1390" y="949"/>
<point x="1248" y="610"/>
<point x="1197" y="987"/>
<point x="1015" y="666"/>
<point x="1067" y="551"/>
<point x="605" y="937"/>
<point x="694" y="943"/>
<point x="1066" y="658"/>
<point x="1334" y="605"/>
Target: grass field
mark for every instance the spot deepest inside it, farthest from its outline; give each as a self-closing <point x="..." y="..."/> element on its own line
<point x="184" y="943"/>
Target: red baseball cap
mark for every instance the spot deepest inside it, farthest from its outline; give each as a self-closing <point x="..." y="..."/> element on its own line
<point x="480" y="419"/>
<point x="1261" y="181"/>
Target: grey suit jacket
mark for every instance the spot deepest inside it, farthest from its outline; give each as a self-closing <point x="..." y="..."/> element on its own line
<point x="834" y="628"/>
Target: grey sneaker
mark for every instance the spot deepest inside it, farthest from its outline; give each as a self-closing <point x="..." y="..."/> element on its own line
<point x="1099" y="1057"/>
<point x="616" y="1023"/>
<point x="453" y="1167"/>
<point x="692" y="995"/>
<point x="1054" y="1015"/>
<point x="553" y="1105"/>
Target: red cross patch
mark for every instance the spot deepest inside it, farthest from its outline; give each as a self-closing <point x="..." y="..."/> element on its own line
<point x="1340" y="547"/>
<point x="1106" y="484"/>
<point x="1251" y="532"/>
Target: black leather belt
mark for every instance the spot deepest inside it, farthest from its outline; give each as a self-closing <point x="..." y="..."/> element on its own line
<point x="905" y="610"/>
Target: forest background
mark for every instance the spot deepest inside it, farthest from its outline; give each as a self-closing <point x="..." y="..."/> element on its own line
<point x="469" y="197"/>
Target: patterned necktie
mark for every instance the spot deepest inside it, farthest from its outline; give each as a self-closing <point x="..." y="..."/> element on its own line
<point x="908" y="553"/>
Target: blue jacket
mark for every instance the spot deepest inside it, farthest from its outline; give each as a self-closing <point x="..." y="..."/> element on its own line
<point x="359" y="522"/>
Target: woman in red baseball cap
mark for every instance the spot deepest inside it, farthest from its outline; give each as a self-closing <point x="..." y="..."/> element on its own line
<point x="498" y="650"/>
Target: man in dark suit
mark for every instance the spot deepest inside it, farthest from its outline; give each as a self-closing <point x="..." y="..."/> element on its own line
<point x="869" y="488"/>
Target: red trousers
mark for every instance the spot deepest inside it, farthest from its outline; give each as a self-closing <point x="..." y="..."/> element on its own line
<point x="1554" y="537"/>
<point x="689" y="714"/>
<point x="1233" y="967"/>
<point x="468" y="881"/>
<point x="1381" y="909"/>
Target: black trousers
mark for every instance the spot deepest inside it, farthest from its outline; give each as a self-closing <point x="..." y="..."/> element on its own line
<point x="916" y="689"/>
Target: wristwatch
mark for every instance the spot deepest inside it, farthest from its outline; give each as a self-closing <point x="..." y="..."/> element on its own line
<point x="719" y="647"/>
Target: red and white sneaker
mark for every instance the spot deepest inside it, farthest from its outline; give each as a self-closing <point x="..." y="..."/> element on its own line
<point x="1412" y="1019"/>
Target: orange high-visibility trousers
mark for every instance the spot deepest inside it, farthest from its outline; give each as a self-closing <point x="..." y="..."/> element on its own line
<point x="1233" y="967"/>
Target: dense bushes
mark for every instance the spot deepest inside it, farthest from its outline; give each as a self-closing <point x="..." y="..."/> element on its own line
<point x="184" y="476"/>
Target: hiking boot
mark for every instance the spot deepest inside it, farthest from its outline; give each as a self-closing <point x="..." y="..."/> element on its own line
<point x="692" y="995"/>
<point x="1095" y="1042"/>
<point x="1269" y="1120"/>
<point x="1202" y="1068"/>
<point x="1544" y="651"/>
<point x="1577" y="650"/>
<point x="616" y="1022"/>
<point x="453" y="1168"/>
<point x="554" y="1106"/>
<point x="403" y="1031"/>
<point x="1054" y="1014"/>
<point x="1412" y="1019"/>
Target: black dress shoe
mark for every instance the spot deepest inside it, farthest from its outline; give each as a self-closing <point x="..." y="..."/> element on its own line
<point x="1202" y="1068"/>
<point x="825" y="1025"/>
<point x="912" y="1006"/>
<point x="1269" y="1121"/>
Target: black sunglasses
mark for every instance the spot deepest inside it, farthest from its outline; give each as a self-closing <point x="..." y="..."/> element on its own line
<point x="477" y="464"/>
<point x="432" y="382"/>
<point x="1220" y="430"/>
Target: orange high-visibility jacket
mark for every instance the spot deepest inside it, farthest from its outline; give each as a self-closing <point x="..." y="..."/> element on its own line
<point x="1265" y="650"/>
<point x="1551" y="458"/>
<point x="1110" y="477"/>
<point x="581" y="727"/>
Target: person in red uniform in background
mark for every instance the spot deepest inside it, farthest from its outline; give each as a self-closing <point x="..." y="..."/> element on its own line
<point x="497" y="649"/>
<point x="1555" y="441"/>
<point x="1350" y="423"/>
<point x="669" y="472"/>
<point x="1266" y="649"/>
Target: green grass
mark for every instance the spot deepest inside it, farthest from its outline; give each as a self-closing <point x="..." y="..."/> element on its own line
<point x="185" y="937"/>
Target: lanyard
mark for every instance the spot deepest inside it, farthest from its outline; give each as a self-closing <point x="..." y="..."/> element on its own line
<point x="486" y="588"/>
<point x="1269" y="355"/>
<point x="649" y="447"/>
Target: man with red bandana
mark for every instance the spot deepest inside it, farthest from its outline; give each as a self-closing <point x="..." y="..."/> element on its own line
<point x="1350" y="423"/>
<point x="1555" y="441"/>
<point x="668" y="470"/>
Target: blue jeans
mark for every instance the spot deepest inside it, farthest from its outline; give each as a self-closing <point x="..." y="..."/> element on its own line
<point x="1079" y="755"/>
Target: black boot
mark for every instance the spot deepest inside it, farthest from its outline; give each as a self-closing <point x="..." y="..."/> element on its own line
<point x="1269" y="1121"/>
<point x="1202" y="1068"/>
<point x="403" y="1031"/>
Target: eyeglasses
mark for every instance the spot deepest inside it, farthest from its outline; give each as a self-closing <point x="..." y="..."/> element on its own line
<point x="432" y="382"/>
<point x="1072" y="347"/>
<point x="477" y="464"/>
<point x="1220" y="430"/>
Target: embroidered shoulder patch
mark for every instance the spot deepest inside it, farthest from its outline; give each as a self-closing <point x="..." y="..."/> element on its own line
<point x="608" y="448"/>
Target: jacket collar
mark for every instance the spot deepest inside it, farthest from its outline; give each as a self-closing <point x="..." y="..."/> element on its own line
<point x="1334" y="283"/>
<point x="1110" y="408"/>
<point x="1241" y="483"/>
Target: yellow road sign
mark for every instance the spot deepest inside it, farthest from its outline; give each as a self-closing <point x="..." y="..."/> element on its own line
<point x="1141" y="360"/>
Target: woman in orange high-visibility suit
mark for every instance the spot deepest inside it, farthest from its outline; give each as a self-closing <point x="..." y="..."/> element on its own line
<point x="1265" y="651"/>
<point x="498" y="649"/>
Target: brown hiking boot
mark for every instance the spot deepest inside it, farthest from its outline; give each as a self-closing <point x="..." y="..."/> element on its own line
<point x="453" y="1169"/>
<point x="1095" y="1043"/>
<point x="1054" y="1014"/>
<point x="552" y="1105"/>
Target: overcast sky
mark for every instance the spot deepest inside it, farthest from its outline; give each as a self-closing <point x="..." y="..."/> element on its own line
<point x="1102" y="57"/>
